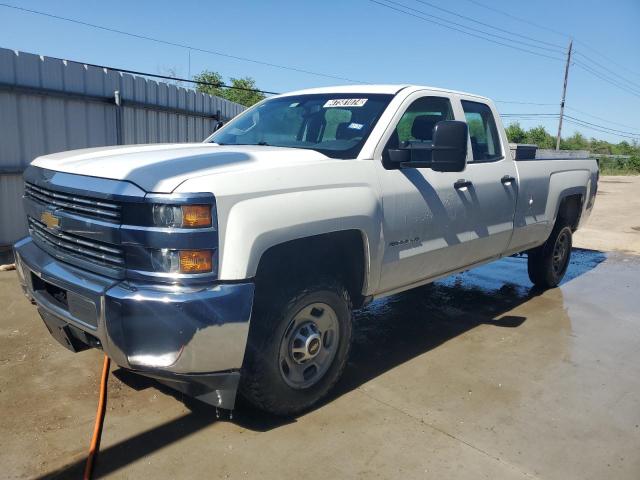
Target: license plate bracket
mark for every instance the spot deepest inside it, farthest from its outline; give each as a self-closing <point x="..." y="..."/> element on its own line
<point x="68" y="336"/>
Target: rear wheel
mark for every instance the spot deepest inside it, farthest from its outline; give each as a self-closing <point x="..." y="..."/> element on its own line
<point x="548" y="263"/>
<point x="298" y="346"/>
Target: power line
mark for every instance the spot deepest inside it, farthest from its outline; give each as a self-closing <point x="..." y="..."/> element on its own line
<point x="588" y="68"/>
<point x="579" y="124"/>
<point x="421" y="17"/>
<point x="502" y="12"/>
<point x="568" y="107"/>
<point x="601" y="126"/>
<point x="557" y="47"/>
<point x="567" y="116"/>
<point x="527" y="114"/>
<point x="575" y="121"/>
<point x="525" y="103"/>
<point x="563" y="34"/>
<point x="440" y="19"/>
<point x="609" y="71"/>
<point x="618" y="64"/>
<point x="601" y="131"/>
<point x="599" y="118"/>
<point x="180" y="45"/>
<point x="601" y="76"/>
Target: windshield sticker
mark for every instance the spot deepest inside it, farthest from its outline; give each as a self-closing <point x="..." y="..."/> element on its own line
<point x="345" y="102"/>
<point x="294" y="104"/>
<point x="356" y="126"/>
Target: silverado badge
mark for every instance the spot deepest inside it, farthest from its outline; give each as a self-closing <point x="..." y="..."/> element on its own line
<point x="50" y="220"/>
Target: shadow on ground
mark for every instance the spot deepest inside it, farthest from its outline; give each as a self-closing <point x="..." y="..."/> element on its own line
<point x="387" y="333"/>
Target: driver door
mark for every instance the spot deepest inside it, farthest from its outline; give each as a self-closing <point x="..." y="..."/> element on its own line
<point x="423" y="211"/>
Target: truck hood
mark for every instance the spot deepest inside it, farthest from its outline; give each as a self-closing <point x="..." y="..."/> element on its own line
<point x="162" y="167"/>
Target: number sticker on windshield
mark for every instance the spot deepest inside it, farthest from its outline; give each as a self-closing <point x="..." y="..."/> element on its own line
<point x="345" y="102"/>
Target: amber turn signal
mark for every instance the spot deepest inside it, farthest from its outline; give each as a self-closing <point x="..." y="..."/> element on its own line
<point x="196" y="216"/>
<point x="196" y="261"/>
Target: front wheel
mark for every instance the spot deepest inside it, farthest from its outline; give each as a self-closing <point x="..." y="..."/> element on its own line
<point x="298" y="347"/>
<point x="548" y="263"/>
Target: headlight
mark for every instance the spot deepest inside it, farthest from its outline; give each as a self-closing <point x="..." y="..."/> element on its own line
<point x="182" y="216"/>
<point x="182" y="261"/>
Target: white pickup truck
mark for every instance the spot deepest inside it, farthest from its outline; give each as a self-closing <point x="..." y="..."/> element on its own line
<point x="234" y="264"/>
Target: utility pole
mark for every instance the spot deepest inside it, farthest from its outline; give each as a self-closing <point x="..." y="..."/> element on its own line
<point x="564" y="93"/>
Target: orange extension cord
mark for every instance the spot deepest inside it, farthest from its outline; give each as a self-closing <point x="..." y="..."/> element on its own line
<point x="97" y="428"/>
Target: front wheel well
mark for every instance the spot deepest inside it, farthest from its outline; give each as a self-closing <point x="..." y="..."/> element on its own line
<point x="338" y="254"/>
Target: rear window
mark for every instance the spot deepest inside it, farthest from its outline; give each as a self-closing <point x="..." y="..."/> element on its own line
<point x="483" y="132"/>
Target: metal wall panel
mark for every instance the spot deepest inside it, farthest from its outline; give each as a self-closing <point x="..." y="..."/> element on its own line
<point x="12" y="218"/>
<point x="66" y="105"/>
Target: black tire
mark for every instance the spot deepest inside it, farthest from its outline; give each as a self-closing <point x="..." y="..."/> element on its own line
<point x="263" y="382"/>
<point x="548" y="263"/>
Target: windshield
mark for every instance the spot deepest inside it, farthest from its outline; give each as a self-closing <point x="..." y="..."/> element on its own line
<point x="335" y="124"/>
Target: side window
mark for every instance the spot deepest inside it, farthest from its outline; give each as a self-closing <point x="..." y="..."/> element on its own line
<point x="485" y="141"/>
<point x="415" y="127"/>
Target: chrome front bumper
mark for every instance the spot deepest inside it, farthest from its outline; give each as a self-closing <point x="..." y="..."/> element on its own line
<point x="192" y="338"/>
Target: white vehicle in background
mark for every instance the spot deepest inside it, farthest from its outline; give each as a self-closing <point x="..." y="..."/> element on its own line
<point x="235" y="263"/>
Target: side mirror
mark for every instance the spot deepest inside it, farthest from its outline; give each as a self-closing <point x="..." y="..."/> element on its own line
<point x="398" y="156"/>
<point x="218" y="126"/>
<point x="447" y="153"/>
<point x="449" y="146"/>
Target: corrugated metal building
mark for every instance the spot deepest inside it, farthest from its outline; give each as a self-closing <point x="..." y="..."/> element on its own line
<point x="49" y="105"/>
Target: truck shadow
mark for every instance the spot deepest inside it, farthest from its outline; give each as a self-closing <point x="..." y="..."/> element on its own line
<point x="387" y="333"/>
<point x="391" y="331"/>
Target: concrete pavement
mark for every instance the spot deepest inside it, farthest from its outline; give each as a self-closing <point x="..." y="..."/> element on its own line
<point x="476" y="376"/>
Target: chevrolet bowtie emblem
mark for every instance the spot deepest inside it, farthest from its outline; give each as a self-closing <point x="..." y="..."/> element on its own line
<point x="50" y="220"/>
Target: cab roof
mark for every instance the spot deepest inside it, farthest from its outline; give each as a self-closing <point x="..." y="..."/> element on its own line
<point x="379" y="88"/>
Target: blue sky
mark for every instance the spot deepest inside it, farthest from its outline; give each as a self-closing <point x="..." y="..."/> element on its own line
<point x="361" y="40"/>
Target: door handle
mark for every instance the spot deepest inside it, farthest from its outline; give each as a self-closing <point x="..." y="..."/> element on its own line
<point x="507" y="179"/>
<point x="462" y="183"/>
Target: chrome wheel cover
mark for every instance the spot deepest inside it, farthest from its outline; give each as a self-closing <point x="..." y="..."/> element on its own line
<point x="561" y="253"/>
<point x="309" y="345"/>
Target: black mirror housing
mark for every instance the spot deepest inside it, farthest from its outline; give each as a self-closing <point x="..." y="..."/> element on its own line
<point x="448" y="153"/>
<point x="398" y="156"/>
<point x="449" y="146"/>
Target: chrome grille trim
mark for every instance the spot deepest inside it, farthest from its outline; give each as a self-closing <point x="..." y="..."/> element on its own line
<point x="76" y="246"/>
<point x="72" y="203"/>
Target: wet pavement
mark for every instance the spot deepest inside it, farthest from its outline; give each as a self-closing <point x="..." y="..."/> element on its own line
<point x="476" y="376"/>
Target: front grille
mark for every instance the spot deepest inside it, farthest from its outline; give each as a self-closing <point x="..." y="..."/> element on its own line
<point x="75" y="246"/>
<point x="81" y="205"/>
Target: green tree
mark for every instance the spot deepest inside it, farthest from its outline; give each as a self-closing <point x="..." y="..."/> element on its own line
<point x="244" y="97"/>
<point x="516" y="134"/>
<point x="243" y="92"/>
<point x="212" y="79"/>
<point x="600" y="146"/>
<point x="540" y="137"/>
<point x="577" y="141"/>
<point x="625" y="148"/>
